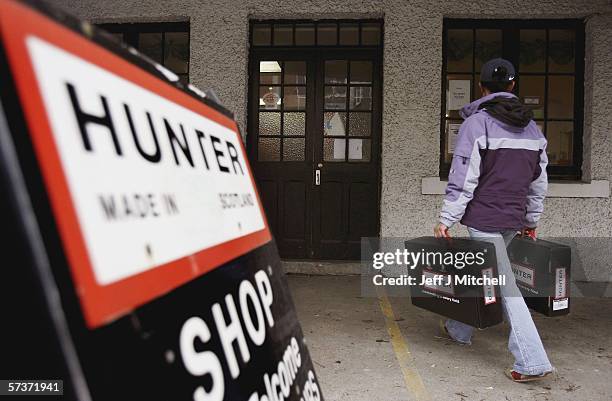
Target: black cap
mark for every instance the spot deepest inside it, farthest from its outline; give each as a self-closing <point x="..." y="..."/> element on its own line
<point x="497" y="70"/>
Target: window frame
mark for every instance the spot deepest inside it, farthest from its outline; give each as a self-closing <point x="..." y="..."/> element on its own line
<point x="131" y="30"/>
<point x="510" y="29"/>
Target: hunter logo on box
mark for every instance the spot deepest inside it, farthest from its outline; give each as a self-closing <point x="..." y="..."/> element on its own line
<point x="169" y="282"/>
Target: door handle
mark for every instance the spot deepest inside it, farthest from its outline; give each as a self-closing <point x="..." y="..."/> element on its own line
<point x="317" y="177"/>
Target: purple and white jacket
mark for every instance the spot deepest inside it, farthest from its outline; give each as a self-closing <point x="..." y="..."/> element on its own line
<point x="497" y="179"/>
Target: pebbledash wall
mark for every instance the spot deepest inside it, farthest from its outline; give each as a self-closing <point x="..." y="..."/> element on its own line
<point x="410" y="189"/>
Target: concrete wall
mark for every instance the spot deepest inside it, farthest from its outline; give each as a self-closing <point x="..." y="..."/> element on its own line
<point x="412" y="85"/>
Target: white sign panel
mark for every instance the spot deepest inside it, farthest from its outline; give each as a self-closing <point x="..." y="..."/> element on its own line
<point x="458" y="93"/>
<point x="151" y="181"/>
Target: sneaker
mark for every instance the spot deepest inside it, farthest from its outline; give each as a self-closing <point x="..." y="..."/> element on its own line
<point x="521" y="378"/>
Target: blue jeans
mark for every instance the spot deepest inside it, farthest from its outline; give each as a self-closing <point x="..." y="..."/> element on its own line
<point x="524" y="341"/>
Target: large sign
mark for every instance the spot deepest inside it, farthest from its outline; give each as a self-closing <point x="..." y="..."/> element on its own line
<point x="162" y="255"/>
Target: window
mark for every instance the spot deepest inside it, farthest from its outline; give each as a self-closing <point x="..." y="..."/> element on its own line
<point x="164" y="43"/>
<point x="548" y="55"/>
<point x="343" y="33"/>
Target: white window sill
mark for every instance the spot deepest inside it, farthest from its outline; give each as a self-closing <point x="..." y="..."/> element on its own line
<point x="570" y="189"/>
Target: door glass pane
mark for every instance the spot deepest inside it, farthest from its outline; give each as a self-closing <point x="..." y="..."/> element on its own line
<point x="335" y="97"/>
<point x="370" y="34"/>
<point x="334" y="149"/>
<point x="295" y="98"/>
<point x="361" y="98"/>
<point x="361" y="72"/>
<point x="561" y="45"/>
<point x="150" y="44"/>
<point x="459" y="50"/>
<point x="326" y="34"/>
<point x="560" y="149"/>
<point x="269" y="72"/>
<point x="293" y="149"/>
<point x="262" y="35"/>
<point x="359" y="150"/>
<point x="360" y="124"/>
<point x="304" y="35"/>
<point x="560" y="97"/>
<point x="268" y="149"/>
<point x="283" y="35"/>
<point x="269" y="123"/>
<point x="349" y="34"/>
<point x="488" y="46"/>
<point x="532" y="50"/>
<point x="335" y="71"/>
<point x="295" y="73"/>
<point x="532" y="93"/>
<point x="334" y="123"/>
<point x="270" y="97"/>
<point x="294" y="124"/>
<point x="176" y="52"/>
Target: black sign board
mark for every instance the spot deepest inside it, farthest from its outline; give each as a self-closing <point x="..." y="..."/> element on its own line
<point x="447" y="280"/>
<point x="142" y="265"/>
<point x="543" y="271"/>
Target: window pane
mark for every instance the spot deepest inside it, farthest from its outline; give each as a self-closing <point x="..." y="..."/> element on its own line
<point x="334" y="123"/>
<point x="304" y="35"/>
<point x="270" y="97"/>
<point x="370" y="34"/>
<point x="268" y="149"/>
<point x="361" y="98"/>
<point x="459" y="50"/>
<point x="349" y="34"/>
<point x="532" y="50"/>
<point x="476" y="91"/>
<point x="176" y="52"/>
<point x="488" y="45"/>
<point x="335" y="72"/>
<point x="294" y="124"/>
<point x="262" y="35"/>
<point x="359" y="150"/>
<point x="283" y="35"/>
<point x="295" y="98"/>
<point x="326" y="34"/>
<point x="458" y="92"/>
<point x="150" y="44"/>
<point x="295" y="72"/>
<point x="334" y="149"/>
<point x="360" y="124"/>
<point x="560" y="97"/>
<point x="560" y="148"/>
<point x="269" y="123"/>
<point x="361" y="72"/>
<point x="335" y="97"/>
<point x="293" y="149"/>
<point x="269" y="72"/>
<point x="532" y="93"/>
<point x="561" y="46"/>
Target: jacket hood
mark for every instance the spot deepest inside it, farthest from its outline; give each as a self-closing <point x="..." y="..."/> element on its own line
<point x="503" y="106"/>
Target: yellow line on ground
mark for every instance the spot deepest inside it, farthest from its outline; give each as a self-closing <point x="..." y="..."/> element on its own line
<point x="413" y="380"/>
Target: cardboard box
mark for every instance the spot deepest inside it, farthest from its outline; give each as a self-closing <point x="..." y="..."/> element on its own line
<point x="478" y="305"/>
<point x="542" y="270"/>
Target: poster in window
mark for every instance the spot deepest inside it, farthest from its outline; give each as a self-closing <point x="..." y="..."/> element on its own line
<point x="452" y="132"/>
<point x="458" y="93"/>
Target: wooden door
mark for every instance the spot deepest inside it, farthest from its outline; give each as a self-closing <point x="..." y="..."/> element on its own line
<point x="314" y="143"/>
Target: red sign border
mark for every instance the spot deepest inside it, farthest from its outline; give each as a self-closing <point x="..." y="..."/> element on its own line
<point x="103" y="304"/>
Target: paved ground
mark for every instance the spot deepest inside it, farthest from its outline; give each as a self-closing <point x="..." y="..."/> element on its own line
<point x="358" y="360"/>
